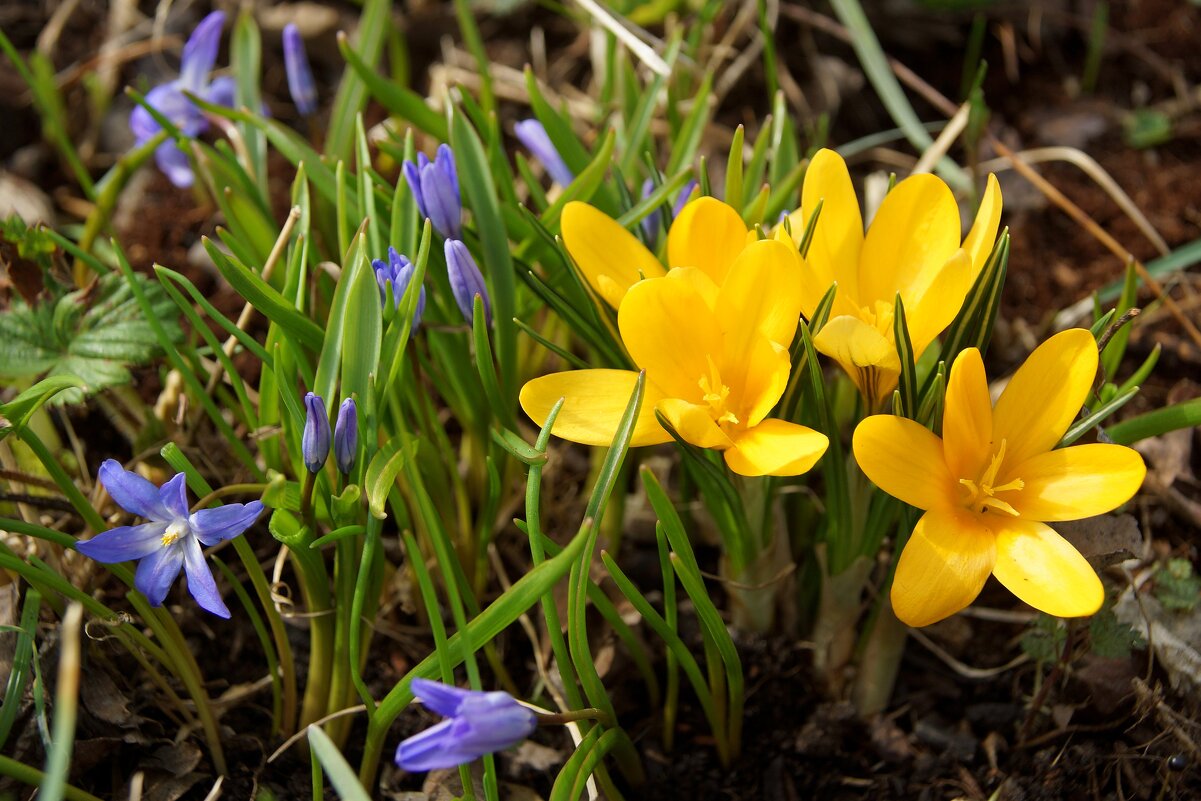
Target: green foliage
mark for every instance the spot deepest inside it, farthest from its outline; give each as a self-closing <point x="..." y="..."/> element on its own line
<point x="1045" y="639"/>
<point x="1177" y="586"/>
<point x="95" y="334"/>
<point x="1110" y="638"/>
<point x="35" y="244"/>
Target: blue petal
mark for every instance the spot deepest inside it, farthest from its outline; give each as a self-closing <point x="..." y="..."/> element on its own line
<point x="442" y="698"/>
<point x="441" y="201"/>
<point x="174" y="496"/>
<point x="132" y="493"/>
<point x="143" y="126"/>
<point x="200" y="579"/>
<point x="432" y="749"/>
<point x="223" y="91"/>
<point x="174" y="164"/>
<point x="445" y="159"/>
<point x="493" y="723"/>
<point x="123" y="543"/>
<point x="211" y="526"/>
<point x="413" y="179"/>
<point x="200" y="52"/>
<point x="157" y="572"/>
<point x="170" y="102"/>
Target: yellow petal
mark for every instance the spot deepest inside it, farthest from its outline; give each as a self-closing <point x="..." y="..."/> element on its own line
<point x="869" y="357"/>
<point x="762" y="293"/>
<point x="707" y="234"/>
<point x="1080" y="481"/>
<point x="1044" y="570"/>
<point x="915" y="231"/>
<point x="905" y="460"/>
<point x="967" y="417"/>
<point x="776" y="448"/>
<point x="934" y="298"/>
<point x="980" y="240"/>
<point x="943" y="567"/>
<point x="610" y="257"/>
<point x="693" y="423"/>
<point x="757" y="375"/>
<point x="700" y="281"/>
<point x="595" y="402"/>
<point x="833" y="254"/>
<point x="670" y="332"/>
<point x="1045" y="395"/>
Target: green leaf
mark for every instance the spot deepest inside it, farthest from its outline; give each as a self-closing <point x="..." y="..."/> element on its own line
<point x="374" y="25"/>
<point x="1186" y="414"/>
<point x="341" y="775"/>
<point x="399" y="101"/>
<point x="18" y="410"/>
<point x="1177" y="586"/>
<point x="1044" y="641"/>
<point x="385" y="466"/>
<point x="1111" y="639"/>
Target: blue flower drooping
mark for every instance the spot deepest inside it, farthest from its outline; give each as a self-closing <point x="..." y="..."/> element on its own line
<point x="477" y="723"/>
<point x="171" y="540"/>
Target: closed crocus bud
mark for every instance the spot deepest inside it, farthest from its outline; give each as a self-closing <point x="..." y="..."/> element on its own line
<point x="477" y="723"/>
<point x="533" y="135"/>
<point x="466" y="281"/>
<point x="398" y="271"/>
<point x="346" y="436"/>
<point x="300" y="76"/>
<point x="314" y="444"/>
<point x="435" y="187"/>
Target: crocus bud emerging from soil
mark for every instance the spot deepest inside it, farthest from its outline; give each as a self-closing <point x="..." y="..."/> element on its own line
<point x="477" y="723"/>
<point x="300" y="76"/>
<point x="314" y="444"/>
<point x="466" y="281"/>
<point x="435" y="187"/>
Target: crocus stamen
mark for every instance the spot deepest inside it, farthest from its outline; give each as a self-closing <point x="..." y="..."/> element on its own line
<point x="982" y="493"/>
<point x="716" y="394"/>
<point x="174" y="532"/>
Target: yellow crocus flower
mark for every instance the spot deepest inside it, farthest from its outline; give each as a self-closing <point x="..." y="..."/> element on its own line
<point x="912" y="248"/>
<point x="712" y="335"/>
<point x="707" y="235"/>
<point x="991" y="483"/>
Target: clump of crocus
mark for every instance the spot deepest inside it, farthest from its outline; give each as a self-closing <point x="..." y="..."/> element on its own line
<point x="912" y="248"/>
<point x="992" y="482"/>
<point x="169" y="100"/>
<point x="713" y="338"/>
<point x="301" y="85"/>
<point x="477" y="723"/>
<point x="533" y="135"/>
<point x="435" y="187"/>
<point x="315" y="440"/>
<point x="398" y="272"/>
<point x="172" y="538"/>
<point x="466" y="281"/>
<point x="346" y="436"/>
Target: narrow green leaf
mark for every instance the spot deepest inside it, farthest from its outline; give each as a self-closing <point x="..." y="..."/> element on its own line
<point x="341" y="775"/>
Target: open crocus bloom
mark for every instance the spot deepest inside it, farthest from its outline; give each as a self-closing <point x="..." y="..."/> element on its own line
<point x="912" y="248"/>
<point x="992" y="482"/>
<point x="706" y="234"/>
<point x="713" y="339"/>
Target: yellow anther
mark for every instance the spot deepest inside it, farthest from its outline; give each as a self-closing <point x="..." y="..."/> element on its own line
<point x="981" y="494"/>
<point x="173" y="532"/>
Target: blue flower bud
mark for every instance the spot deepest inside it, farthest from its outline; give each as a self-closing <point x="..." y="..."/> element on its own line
<point x="466" y="281"/>
<point x="300" y="76"/>
<point x="533" y="135"/>
<point x="650" y="223"/>
<point x="683" y="198"/>
<point x="346" y="436"/>
<point x="477" y="723"/>
<point x="398" y="271"/>
<point x="314" y="444"/>
<point x="435" y="187"/>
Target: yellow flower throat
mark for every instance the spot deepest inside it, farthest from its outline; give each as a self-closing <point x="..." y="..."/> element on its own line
<point x="981" y="493"/>
<point x="173" y="532"/>
<point x="717" y="395"/>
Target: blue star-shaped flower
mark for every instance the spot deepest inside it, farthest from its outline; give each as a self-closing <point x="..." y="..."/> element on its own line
<point x="172" y="538"/>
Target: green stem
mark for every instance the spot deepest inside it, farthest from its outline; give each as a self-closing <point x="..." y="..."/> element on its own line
<point x="34" y="778"/>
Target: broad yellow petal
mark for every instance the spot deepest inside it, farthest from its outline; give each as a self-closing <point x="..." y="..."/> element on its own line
<point x="700" y="281"/>
<point x="1080" y="481"/>
<point x="905" y="460"/>
<point x="833" y="254"/>
<point x="1045" y="395"/>
<point x="762" y="293"/>
<point x="776" y="448"/>
<point x="757" y="375"/>
<point x="943" y="567"/>
<point x="670" y="332"/>
<point x="915" y="231"/>
<point x="693" y="423"/>
<point x="980" y="240"/>
<point x="1044" y="570"/>
<point x="934" y="298"/>
<point x="610" y="257"/>
<point x="707" y="234"/>
<point x="595" y="402"/>
<point x="967" y="417"/>
<point x="869" y="357"/>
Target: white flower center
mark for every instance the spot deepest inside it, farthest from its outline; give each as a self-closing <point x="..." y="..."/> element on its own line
<point x="174" y="531"/>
